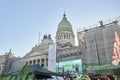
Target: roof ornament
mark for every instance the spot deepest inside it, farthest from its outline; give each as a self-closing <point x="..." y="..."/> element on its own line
<point x="64" y="16"/>
<point x="45" y="36"/>
<point x="10" y="51"/>
<point x="49" y="36"/>
<point x="101" y="23"/>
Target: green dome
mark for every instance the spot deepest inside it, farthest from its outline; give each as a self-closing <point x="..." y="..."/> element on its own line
<point x="64" y="25"/>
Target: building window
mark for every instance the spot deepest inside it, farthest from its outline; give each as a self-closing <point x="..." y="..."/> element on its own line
<point x="34" y="61"/>
<point x="67" y="36"/>
<point x="42" y="65"/>
<point x="38" y="61"/>
<point x="61" y="36"/>
<point x="42" y="60"/>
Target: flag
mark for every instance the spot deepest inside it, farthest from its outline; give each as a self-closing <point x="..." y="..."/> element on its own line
<point x="25" y="70"/>
<point x="24" y="73"/>
<point x="62" y="71"/>
<point x="116" y="50"/>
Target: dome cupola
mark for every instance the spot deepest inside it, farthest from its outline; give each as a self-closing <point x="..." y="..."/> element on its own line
<point x="64" y="34"/>
<point x="64" y="25"/>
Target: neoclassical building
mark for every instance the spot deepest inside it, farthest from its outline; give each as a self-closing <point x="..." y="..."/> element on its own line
<point x="37" y="55"/>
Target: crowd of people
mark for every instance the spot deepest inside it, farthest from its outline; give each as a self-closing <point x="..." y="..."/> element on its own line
<point x="91" y="76"/>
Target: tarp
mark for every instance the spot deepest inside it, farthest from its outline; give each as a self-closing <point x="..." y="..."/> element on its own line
<point x="39" y="71"/>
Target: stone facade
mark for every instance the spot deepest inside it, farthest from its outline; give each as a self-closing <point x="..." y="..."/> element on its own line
<point x="3" y="59"/>
<point x="17" y="65"/>
<point x="6" y="62"/>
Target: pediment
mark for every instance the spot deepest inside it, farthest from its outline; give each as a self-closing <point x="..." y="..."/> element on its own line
<point x="31" y="54"/>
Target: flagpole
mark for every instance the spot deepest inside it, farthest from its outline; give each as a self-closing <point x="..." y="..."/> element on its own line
<point x="39" y="39"/>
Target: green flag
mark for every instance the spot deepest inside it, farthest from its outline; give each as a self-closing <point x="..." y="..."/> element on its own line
<point x="78" y="78"/>
<point x="62" y="71"/>
<point x="8" y="78"/>
<point x="25" y="70"/>
<point x="23" y="75"/>
<point x="30" y="77"/>
<point x="13" y="78"/>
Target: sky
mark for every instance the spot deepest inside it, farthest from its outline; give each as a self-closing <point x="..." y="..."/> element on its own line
<point x="22" y="20"/>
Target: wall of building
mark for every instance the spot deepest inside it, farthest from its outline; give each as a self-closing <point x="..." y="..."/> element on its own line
<point x="17" y="65"/>
<point x="64" y="37"/>
<point x="41" y="59"/>
<point x="68" y="54"/>
<point x="99" y="44"/>
<point x="3" y="59"/>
